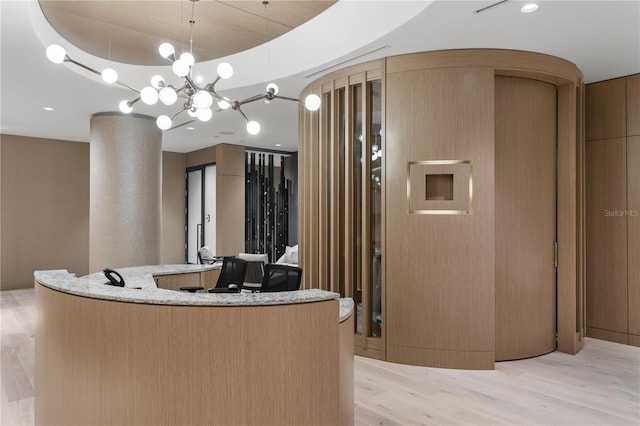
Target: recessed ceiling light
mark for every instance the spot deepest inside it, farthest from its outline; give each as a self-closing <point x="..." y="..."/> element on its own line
<point x="529" y="7"/>
<point x="278" y="144"/>
<point x="48" y="109"/>
<point x="190" y="128"/>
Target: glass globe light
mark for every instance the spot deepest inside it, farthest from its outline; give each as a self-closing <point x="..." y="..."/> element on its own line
<point x="187" y="58"/>
<point x="225" y="70"/>
<point x="109" y="75"/>
<point x="125" y="107"/>
<point x="163" y="122"/>
<point x="56" y="53"/>
<point x="253" y="127"/>
<point x="180" y="68"/>
<point x="149" y="95"/>
<point x="312" y="102"/>
<point x="272" y="87"/>
<point x="166" y="50"/>
<point x="168" y="95"/>
<point x="204" y="114"/>
<point x="193" y="112"/>
<point x="157" y="82"/>
<point x="224" y="104"/>
<point x="202" y="99"/>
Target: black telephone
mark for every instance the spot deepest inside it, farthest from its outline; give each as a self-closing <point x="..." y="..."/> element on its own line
<point x="114" y="278"/>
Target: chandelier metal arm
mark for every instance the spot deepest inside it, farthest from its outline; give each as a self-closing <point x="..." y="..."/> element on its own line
<point x="251" y="99"/>
<point x="286" y="98"/>
<point x="199" y="99"/>
<point x="191" y="83"/>
<point x="242" y="112"/>
<point x="177" y="113"/>
<point x="88" y="68"/>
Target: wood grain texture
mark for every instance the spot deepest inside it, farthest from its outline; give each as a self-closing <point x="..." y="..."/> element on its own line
<point x="599" y="385"/>
<point x="606" y="235"/>
<point x="439" y="291"/>
<point x="633" y="105"/>
<point x="325" y="142"/>
<point x="173" y="204"/>
<point x="633" y="232"/>
<point x="505" y="62"/>
<point x="129" y="31"/>
<point x="608" y="335"/>
<point x="570" y="211"/>
<point x="346" y="373"/>
<point x="209" y="279"/>
<point x="525" y="214"/>
<point x="104" y="362"/>
<point x="494" y="62"/>
<point x="605" y="109"/>
<point x="230" y="214"/>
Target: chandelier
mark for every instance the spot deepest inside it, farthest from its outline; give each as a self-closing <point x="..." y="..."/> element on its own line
<point x="198" y="99"/>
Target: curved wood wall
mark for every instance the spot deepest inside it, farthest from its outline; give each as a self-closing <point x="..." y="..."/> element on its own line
<point x="103" y="362"/>
<point x="439" y="279"/>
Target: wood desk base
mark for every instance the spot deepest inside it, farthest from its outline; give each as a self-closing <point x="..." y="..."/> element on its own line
<point x="103" y="362"/>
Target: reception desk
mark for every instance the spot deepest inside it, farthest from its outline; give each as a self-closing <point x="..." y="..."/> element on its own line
<point x="113" y="356"/>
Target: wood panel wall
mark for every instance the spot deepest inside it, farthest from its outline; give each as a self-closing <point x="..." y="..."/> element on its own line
<point x="101" y="362"/>
<point x="230" y="170"/>
<point x="439" y="270"/>
<point x="435" y="278"/>
<point x="525" y="214"/>
<point x="45" y="208"/>
<point x="633" y="206"/>
<point x="45" y="205"/>
<point x="173" y="167"/>
<point x="613" y="210"/>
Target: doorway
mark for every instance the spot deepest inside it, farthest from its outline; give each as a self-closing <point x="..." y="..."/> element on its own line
<point x="201" y="210"/>
<point x="525" y="215"/>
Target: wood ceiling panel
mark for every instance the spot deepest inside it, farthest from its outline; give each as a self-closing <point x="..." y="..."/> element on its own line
<point x="136" y="28"/>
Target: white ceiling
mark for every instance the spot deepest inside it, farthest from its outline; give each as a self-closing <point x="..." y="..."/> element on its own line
<point x="601" y="37"/>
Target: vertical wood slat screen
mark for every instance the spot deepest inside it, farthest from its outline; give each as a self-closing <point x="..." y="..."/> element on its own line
<point x="335" y="247"/>
<point x="267" y="206"/>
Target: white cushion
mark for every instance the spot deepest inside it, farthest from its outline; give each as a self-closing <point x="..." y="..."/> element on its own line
<point x="205" y="253"/>
<point x="292" y="254"/>
<point x="251" y="257"/>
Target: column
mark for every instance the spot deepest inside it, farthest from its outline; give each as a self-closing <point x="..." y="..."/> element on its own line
<point x="126" y="191"/>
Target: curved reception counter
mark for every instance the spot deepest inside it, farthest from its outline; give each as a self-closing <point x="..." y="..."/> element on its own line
<point x="146" y="355"/>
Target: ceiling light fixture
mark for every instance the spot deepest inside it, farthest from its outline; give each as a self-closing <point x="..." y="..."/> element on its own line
<point x="529" y="8"/>
<point x="198" y="98"/>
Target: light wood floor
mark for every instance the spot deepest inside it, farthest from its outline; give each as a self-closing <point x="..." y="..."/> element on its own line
<point x="599" y="386"/>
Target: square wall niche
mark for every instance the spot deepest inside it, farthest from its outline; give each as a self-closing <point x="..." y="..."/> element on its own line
<point x="442" y="187"/>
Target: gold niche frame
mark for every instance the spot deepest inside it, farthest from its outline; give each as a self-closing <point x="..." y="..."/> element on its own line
<point x="437" y="207"/>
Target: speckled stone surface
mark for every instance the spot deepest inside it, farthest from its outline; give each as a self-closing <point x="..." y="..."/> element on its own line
<point x="93" y="286"/>
<point x="346" y="308"/>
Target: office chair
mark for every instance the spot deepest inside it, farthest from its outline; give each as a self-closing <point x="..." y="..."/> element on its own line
<point x="231" y="276"/>
<point x="278" y="277"/>
<point x="255" y="270"/>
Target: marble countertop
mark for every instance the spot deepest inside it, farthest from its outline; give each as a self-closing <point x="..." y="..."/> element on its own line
<point x="147" y="292"/>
